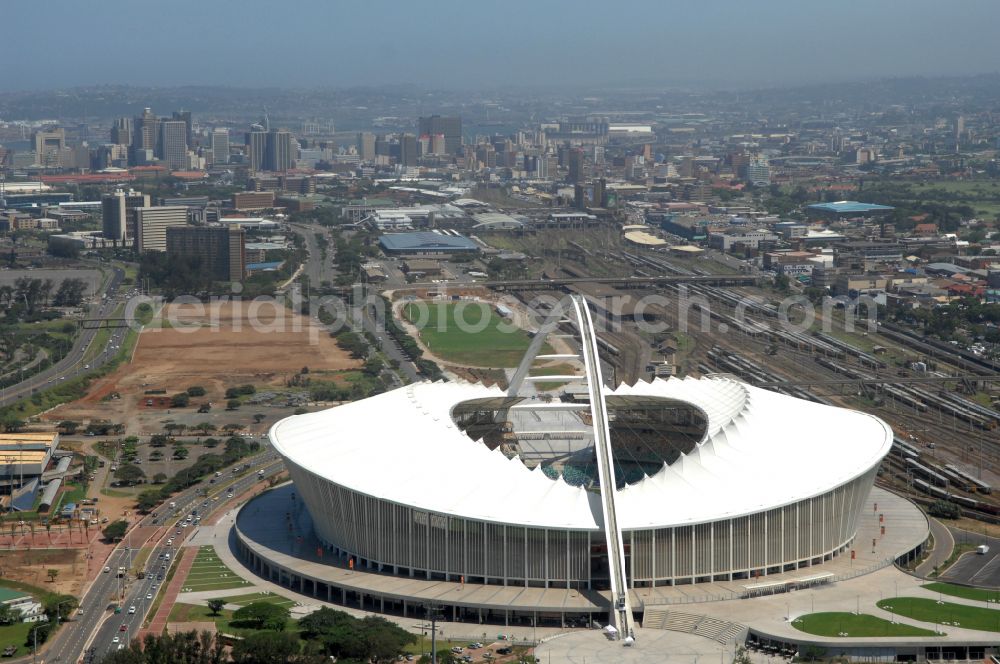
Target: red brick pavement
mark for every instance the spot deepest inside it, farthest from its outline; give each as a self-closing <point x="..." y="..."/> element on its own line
<point x="159" y="621"/>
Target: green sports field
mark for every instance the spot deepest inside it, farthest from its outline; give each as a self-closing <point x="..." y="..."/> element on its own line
<point x="469" y="333"/>
<point x="850" y="624"/>
<point x="944" y="613"/>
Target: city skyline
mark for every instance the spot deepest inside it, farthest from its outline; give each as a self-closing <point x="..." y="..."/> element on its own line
<point x="722" y="45"/>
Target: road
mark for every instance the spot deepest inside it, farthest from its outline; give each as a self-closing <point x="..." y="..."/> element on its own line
<point x="73" y="363"/>
<point x="319" y="270"/>
<point x="97" y="603"/>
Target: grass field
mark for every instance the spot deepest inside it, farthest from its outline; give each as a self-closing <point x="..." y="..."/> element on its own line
<point x="850" y="624"/>
<point x="16" y="634"/>
<point x="209" y="573"/>
<point x="978" y="594"/>
<point x="200" y="613"/>
<point x="944" y="613"/>
<point x="263" y="596"/>
<point x="469" y="333"/>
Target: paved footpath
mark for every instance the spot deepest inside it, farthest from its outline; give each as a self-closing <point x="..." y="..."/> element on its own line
<point x="159" y="621"/>
<point x="944" y="544"/>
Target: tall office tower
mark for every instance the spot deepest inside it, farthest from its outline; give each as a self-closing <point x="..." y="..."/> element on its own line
<point x="451" y="127"/>
<point x="438" y="144"/>
<point x="49" y="146"/>
<point x="408" y="155"/>
<point x="146" y="131"/>
<point x="598" y="199"/>
<point x="366" y="146"/>
<point x="256" y="140"/>
<point x="575" y="165"/>
<point x="222" y="250"/>
<point x="279" y="152"/>
<point x="118" y="213"/>
<point x="121" y="131"/>
<point x="151" y="224"/>
<point x="173" y="144"/>
<point x="382" y="147"/>
<point x="220" y="146"/>
<point x="759" y="173"/>
<point x="185" y="116"/>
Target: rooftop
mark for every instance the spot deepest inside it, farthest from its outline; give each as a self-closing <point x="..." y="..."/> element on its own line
<point x="847" y="207"/>
<point x="426" y="241"/>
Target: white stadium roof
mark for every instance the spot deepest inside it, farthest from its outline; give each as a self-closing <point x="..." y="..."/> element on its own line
<point x="762" y="450"/>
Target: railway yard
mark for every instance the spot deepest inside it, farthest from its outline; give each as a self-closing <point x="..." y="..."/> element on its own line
<point x="946" y="448"/>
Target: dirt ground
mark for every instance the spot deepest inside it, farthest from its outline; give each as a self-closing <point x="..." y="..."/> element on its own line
<point x="32" y="565"/>
<point x="215" y="346"/>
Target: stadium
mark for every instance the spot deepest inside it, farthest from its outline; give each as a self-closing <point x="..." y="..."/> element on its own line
<point x="662" y="483"/>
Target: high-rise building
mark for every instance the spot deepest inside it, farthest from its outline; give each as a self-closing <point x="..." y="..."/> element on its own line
<point x="146" y="131"/>
<point x="438" y="144"/>
<point x="451" y="127"/>
<point x="575" y="165"/>
<point x="408" y="155"/>
<point x="366" y="146"/>
<point x="759" y="173"/>
<point x="121" y="131"/>
<point x="279" y="155"/>
<point x="256" y="141"/>
<point x="173" y="143"/>
<point x="118" y="213"/>
<point x="49" y="147"/>
<point x="151" y="225"/>
<point x="185" y="116"/>
<point x="222" y="250"/>
<point x="220" y="146"/>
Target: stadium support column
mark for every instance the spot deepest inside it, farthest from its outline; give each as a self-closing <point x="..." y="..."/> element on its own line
<point x="621" y="609"/>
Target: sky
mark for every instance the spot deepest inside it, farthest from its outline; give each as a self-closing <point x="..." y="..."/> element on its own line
<point x="482" y="44"/>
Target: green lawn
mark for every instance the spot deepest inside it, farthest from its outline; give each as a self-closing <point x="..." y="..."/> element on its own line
<point x="263" y="596"/>
<point x="469" y="333"/>
<point x="16" y="634"/>
<point x="944" y="613"/>
<point x="200" y="613"/>
<point x="850" y="624"/>
<point x="978" y="594"/>
<point x="209" y="573"/>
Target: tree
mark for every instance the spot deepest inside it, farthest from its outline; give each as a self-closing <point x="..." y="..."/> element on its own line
<point x="159" y="478"/>
<point x="215" y="606"/>
<point x="266" y="648"/>
<point x="180" y="400"/>
<point x="130" y="474"/>
<point x="61" y="605"/>
<point x="232" y="404"/>
<point x="148" y="499"/>
<point x="944" y="509"/>
<point x="258" y="418"/>
<point x="69" y="427"/>
<point x="9" y="615"/>
<point x="180" y="453"/>
<point x="52" y="574"/>
<point x="196" y="391"/>
<point x="157" y="440"/>
<point x="262" y="615"/>
<point x="204" y="427"/>
<point x="115" y="530"/>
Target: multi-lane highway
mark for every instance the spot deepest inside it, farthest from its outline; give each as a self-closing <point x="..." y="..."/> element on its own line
<point x="94" y="631"/>
<point x="73" y="363"/>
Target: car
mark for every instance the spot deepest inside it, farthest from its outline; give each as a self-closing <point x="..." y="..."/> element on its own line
<point x="131" y="609"/>
<point x="120" y="646"/>
<point x="149" y="595"/>
<point x="123" y="628"/>
<point x="86" y="366"/>
<point x="116" y="639"/>
<point x="159" y="577"/>
<point x="457" y="650"/>
<point x="107" y="569"/>
<point x="155" y="586"/>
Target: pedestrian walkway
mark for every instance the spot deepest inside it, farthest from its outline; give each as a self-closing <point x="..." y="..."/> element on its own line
<point x="170" y="593"/>
<point x="944" y="544"/>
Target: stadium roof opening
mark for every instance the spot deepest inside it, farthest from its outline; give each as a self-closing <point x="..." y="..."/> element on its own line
<point x="426" y="242"/>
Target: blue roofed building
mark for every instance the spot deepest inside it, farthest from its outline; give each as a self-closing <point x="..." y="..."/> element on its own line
<point x="427" y="243"/>
<point x="841" y="209"/>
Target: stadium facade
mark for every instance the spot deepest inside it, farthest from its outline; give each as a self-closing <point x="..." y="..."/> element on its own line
<point x="776" y="484"/>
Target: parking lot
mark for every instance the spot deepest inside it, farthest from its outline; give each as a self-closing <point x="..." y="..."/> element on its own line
<point x="973" y="568"/>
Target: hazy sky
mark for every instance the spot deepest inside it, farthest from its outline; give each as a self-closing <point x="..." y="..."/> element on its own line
<point x="483" y="43"/>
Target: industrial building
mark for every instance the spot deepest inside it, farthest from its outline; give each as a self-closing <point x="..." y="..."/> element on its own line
<point x="427" y="243"/>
